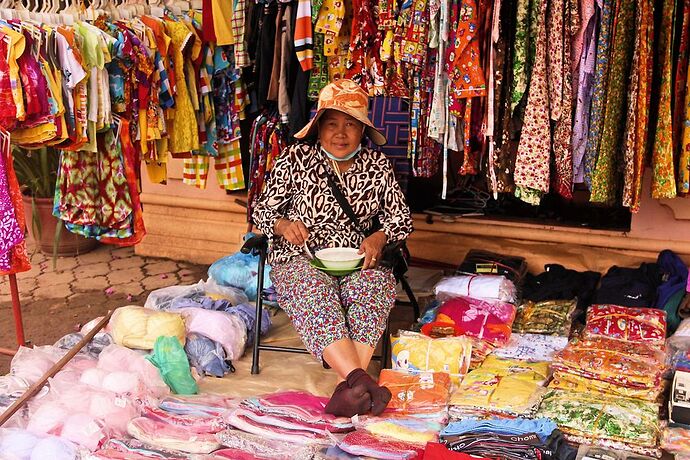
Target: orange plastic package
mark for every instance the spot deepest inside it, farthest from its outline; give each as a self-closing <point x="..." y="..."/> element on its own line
<point x="420" y="391"/>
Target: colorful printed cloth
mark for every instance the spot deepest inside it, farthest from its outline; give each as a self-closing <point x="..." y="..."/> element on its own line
<point x="489" y="321"/>
<point x="629" y="364"/>
<point x="618" y="419"/>
<point x="572" y="382"/>
<point x="552" y="317"/>
<point x="367" y="445"/>
<point x="532" y="347"/>
<point x="624" y="323"/>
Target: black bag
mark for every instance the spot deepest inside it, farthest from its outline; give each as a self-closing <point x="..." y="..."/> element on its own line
<point x="394" y="255"/>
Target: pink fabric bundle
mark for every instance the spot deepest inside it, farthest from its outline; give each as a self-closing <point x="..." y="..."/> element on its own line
<point x="124" y="365"/>
<point x="160" y="434"/>
<point x="491" y="321"/>
<point x="265" y="426"/>
<point x="366" y="445"/>
<point x="193" y="423"/>
<point x="132" y="449"/>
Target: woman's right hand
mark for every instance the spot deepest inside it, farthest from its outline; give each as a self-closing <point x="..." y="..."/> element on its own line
<point x="294" y="231"/>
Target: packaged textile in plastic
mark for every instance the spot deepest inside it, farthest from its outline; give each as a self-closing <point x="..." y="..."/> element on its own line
<point x="413" y="352"/>
<point x="414" y="392"/>
<point x="542" y="427"/>
<point x="629" y="421"/>
<point x="645" y="325"/>
<point x="272" y="427"/>
<point x="486" y="287"/>
<point x="23" y="445"/>
<point x="550" y="317"/>
<point x="116" y="359"/>
<point x="92" y="349"/>
<point x="676" y="439"/>
<point x="206" y="356"/>
<point x="572" y="382"/>
<point x="240" y="271"/>
<point x="164" y="298"/>
<point x="163" y="435"/>
<point x="607" y="453"/>
<point x="680" y="340"/>
<point x="138" y="327"/>
<point x="629" y="364"/>
<point x="31" y="363"/>
<point x="367" y="445"/>
<point x="259" y="447"/>
<point x="203" y="405"/>
<point x="489" y="321"/>
<point x="414" y="430"/>
<point x="501" y="386"/>
<point x="193" y="423"/>
<point x="300" y="406"/>
<point x="532" y="347"/>
<point x="224" y="328"/>
<point x="171" y="360"/>
<point x="133" y="449"/>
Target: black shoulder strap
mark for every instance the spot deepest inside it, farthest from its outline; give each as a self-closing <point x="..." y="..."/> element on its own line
<point x="342" y="201"/>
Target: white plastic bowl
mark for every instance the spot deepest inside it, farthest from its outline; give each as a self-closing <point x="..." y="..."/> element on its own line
<point x="339" y="258"/>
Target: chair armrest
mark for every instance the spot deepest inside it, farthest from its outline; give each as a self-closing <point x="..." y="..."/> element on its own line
<point x="255" y="244"/>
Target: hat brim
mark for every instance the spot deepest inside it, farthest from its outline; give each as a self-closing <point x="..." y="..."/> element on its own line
<point x="371" y="131"/>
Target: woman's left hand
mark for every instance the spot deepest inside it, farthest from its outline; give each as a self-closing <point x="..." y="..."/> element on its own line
<point x="371" y="247"/>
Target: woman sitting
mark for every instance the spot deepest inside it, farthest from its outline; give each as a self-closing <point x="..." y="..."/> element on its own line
<point x="340" y="319"/>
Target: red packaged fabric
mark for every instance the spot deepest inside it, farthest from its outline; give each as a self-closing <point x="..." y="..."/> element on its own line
<point x="624" y="323"/>
<point x="438" y="451"/>
<point x="491" y="321"/>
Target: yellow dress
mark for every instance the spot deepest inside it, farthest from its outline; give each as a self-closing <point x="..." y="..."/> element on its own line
<point x="182" y="128"/>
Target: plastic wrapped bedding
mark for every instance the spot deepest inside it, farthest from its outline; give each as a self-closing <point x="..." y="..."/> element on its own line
<point x="532" y="347"/>
<point x="413" y="352"/>
<point x="643" y="325"/>
<point x="490" y="321"/>
<point x="262" y="447"/>
<point x="16" y="444"/>
<point x="138" y="327"/>
<point x="550" y="317"/>
<point x="219" y="326"/>
<point x="206" y="356"/>
<point x="159" y="434"/>
<point x="625" y="420"/>
<point x="416" y="392"/>
<point x="486" y="287"/>
<point x="367" y="445"/>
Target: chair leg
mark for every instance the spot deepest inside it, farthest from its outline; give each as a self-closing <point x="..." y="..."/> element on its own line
<point x="259" y="311"/>
<point x="410" y="295"/>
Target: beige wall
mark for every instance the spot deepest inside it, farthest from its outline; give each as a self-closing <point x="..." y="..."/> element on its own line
<point x="202" y="225"/>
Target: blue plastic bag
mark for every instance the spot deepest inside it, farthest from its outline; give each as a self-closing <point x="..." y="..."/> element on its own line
<point x="239" y="271"/>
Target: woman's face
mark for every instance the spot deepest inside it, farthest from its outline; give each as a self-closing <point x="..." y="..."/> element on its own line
<point x="339" y="133"/>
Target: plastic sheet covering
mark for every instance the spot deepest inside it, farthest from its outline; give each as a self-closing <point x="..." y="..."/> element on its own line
<point x="413" y="352"/>
<point x="630" y="421"/>
<point x="486" y="287"/>
<point x="159" y="434"/>
<point x="224" y="328"/>
<point x="416" y="392"/>
<point x="550" y="317"/>
<point x="164" y="298"/>
<point x="262" y="447"/>
<point x="138" y="327"/>
<point x="23" y="445"/>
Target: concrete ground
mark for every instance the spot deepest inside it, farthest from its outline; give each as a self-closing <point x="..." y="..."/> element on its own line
<point x="56" y="302"/>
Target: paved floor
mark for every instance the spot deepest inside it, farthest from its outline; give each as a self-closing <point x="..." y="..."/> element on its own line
<point x="56" y="301"/>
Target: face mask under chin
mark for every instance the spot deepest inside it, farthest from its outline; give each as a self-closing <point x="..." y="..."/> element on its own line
<point x="349" y="156"/>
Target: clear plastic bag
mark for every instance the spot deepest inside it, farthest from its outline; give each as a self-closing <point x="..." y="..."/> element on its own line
<point x="487" y="287"/>
<point x="240" y="271"/>
<point x="164" y="298"/>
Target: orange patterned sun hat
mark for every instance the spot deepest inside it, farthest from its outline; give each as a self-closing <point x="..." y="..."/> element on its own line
<point x="348" y="97"/>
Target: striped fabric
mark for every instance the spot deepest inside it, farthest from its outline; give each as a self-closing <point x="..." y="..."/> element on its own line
<point x="304" y="46"/>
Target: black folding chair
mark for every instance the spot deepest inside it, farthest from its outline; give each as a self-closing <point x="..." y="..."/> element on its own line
<point x="258" y="245"/>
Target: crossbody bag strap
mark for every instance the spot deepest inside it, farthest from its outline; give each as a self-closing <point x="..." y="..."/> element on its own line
<point x="342" y="201"/>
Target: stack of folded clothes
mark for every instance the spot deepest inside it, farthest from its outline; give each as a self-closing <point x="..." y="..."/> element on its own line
<point x="500" y="387"/>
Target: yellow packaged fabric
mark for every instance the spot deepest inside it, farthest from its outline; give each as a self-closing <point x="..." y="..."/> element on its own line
<point x="139" y="327"/>
<point x="413" y="352"/>
<point x="572" y="382"/>
<point x="502" y="386"/>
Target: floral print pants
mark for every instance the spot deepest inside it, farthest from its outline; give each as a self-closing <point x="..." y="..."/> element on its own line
<point x="324" y="309"/>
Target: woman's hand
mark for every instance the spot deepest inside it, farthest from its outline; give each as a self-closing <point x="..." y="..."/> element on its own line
<point x="294" y="231"/>
<point x="371" y="247"/>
